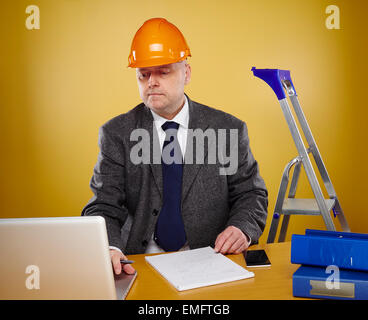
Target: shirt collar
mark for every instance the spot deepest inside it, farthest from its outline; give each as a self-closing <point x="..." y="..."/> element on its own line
<point x="182" y="117"/>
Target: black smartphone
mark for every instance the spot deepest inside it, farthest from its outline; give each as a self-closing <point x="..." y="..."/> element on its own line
<point x="256" y="258"/>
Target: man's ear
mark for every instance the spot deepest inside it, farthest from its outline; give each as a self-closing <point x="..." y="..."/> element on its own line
<point x="188" y="73"/>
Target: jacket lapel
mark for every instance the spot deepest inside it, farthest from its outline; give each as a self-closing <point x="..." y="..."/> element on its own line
<point x="191" y="167"/>
<point x="155" y="152"/>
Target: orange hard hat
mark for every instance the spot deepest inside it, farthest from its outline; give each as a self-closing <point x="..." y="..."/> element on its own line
<point x="157" y="42"/>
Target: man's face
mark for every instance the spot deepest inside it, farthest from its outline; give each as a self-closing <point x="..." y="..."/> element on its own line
<point x="162" y="87"/>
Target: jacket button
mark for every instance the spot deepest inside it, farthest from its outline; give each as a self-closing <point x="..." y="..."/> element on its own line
<point x="144" y="243"/>
<point x="155" y="212"/>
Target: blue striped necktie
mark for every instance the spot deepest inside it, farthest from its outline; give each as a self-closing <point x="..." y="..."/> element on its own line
<point x="170" y="232"/>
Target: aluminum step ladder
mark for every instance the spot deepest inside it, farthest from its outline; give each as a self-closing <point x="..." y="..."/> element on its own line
<point x="280" y="82"/>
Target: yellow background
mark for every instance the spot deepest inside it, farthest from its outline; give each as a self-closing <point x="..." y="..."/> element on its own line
<point x="60" y="83"/>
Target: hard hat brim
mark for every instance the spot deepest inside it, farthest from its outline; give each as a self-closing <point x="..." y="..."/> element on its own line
<point x="153" y="62"/>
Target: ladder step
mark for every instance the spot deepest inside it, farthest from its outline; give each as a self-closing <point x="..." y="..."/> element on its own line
<point x="304" y="206"/>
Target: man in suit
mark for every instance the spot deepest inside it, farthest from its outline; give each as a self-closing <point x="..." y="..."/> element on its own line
<point x="188" y="199"/>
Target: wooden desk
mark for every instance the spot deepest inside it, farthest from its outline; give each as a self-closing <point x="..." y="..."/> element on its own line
<point x="274" y="282"/>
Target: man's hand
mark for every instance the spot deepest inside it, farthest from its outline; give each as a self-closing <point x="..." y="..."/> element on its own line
<point x="231" y="240"/>
<point x="117" y="266"/>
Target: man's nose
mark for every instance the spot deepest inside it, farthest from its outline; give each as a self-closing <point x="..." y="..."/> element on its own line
<point x="153" y="80"/>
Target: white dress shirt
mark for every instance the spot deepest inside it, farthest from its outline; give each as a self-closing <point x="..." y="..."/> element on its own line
<point x="182" y="118"/>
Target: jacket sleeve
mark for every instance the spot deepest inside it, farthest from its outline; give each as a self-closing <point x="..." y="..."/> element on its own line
<point x="107" y="185"/>
<point x="248" y="196"/>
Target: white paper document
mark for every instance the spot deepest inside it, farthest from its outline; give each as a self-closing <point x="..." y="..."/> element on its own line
<point x="197" y="268"/>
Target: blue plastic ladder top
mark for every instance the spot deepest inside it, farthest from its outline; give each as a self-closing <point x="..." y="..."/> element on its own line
<point x="273" y="78"/>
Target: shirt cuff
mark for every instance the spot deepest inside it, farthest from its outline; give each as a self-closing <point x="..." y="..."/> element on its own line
<point x="249" y="238"/>
<point x="115" y="248"/>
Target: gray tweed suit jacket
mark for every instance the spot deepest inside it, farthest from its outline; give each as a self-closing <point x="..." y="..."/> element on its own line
<point x="129" y="196"/>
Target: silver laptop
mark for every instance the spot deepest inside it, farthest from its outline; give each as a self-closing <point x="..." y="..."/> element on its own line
<point x="58" y="258"/>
